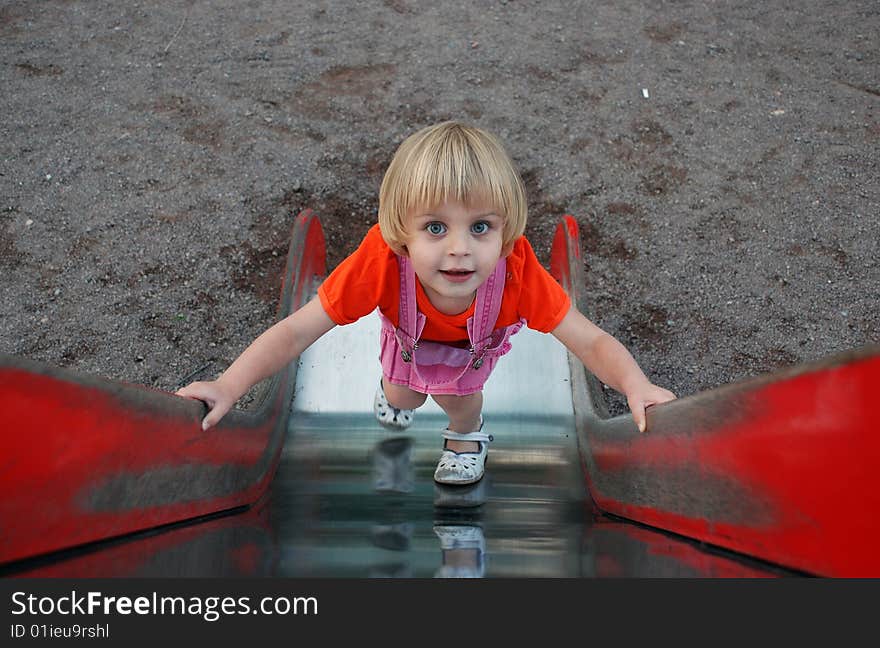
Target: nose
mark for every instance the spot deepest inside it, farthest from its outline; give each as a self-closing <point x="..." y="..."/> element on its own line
<point x="458" y="243"/>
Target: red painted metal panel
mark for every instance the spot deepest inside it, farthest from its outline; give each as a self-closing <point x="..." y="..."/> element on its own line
<point x="85" y="459"/>
<point x="621" y="549"/>
<point x="782" y="467"/>
<point x="237" y="545"/>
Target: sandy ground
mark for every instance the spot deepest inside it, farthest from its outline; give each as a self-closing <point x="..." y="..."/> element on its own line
<point x="721" y="159"/>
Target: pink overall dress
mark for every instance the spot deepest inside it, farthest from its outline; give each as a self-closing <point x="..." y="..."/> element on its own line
<point x="436" y="368"/>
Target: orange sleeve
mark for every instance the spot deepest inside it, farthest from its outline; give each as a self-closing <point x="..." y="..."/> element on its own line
<point x="362" y="281"/>
<point x="542" y="301"/>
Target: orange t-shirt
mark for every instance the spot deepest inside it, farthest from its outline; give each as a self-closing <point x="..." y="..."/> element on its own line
<point x="370" y="277"/>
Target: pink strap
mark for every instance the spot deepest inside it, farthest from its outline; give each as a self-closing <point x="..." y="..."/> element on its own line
<point x="410" y="322"/>
<point x="482" y="324"/>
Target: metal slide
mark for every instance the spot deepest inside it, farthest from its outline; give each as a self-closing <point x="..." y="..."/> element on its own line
<point x="767" y="477"/>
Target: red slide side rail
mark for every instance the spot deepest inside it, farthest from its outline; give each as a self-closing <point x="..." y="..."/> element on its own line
<point x="85" y="459"/>
<point x="782" y="467"/>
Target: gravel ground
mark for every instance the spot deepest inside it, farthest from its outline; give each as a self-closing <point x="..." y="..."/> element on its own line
<point x="721" y="159"/>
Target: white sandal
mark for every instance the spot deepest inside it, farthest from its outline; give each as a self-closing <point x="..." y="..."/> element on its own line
<point x="388" y="416"/>
<point x="462" y="468"/>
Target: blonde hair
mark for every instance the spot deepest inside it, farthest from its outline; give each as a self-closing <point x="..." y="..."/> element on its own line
<point x="450" y="161"/>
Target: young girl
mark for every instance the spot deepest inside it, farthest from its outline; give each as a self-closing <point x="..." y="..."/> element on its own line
<point x="453" y="278"/>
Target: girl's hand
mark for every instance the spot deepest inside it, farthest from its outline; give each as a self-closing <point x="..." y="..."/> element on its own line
<point x="213" y="394"/>
<point x="642" y="398"/>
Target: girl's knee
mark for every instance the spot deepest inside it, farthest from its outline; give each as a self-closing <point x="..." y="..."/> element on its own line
<point x="446" y="401"/>
<point x="402" y="397"/>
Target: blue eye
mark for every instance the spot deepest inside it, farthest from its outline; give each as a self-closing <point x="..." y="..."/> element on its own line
<point x="480" y="227"/>
<point x="436" y="228"/>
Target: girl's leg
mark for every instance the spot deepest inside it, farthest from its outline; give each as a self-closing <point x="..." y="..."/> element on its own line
<point x="464" y="417"/>
<point x="402" y="397"/>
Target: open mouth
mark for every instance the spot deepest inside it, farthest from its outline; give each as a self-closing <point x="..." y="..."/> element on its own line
<point x="457" y="276"/>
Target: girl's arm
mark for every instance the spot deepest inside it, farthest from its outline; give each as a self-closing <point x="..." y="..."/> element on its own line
<point x="611" y="363"/>
<point x="266" y="355"/>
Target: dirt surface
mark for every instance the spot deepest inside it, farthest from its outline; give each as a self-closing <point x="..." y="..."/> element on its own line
<point x="721" y="159"/>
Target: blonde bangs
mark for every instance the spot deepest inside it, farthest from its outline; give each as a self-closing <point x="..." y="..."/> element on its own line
<point x="450" y="161"/>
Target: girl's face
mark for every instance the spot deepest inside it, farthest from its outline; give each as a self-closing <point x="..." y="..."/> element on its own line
<point x="454" y="248"/>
